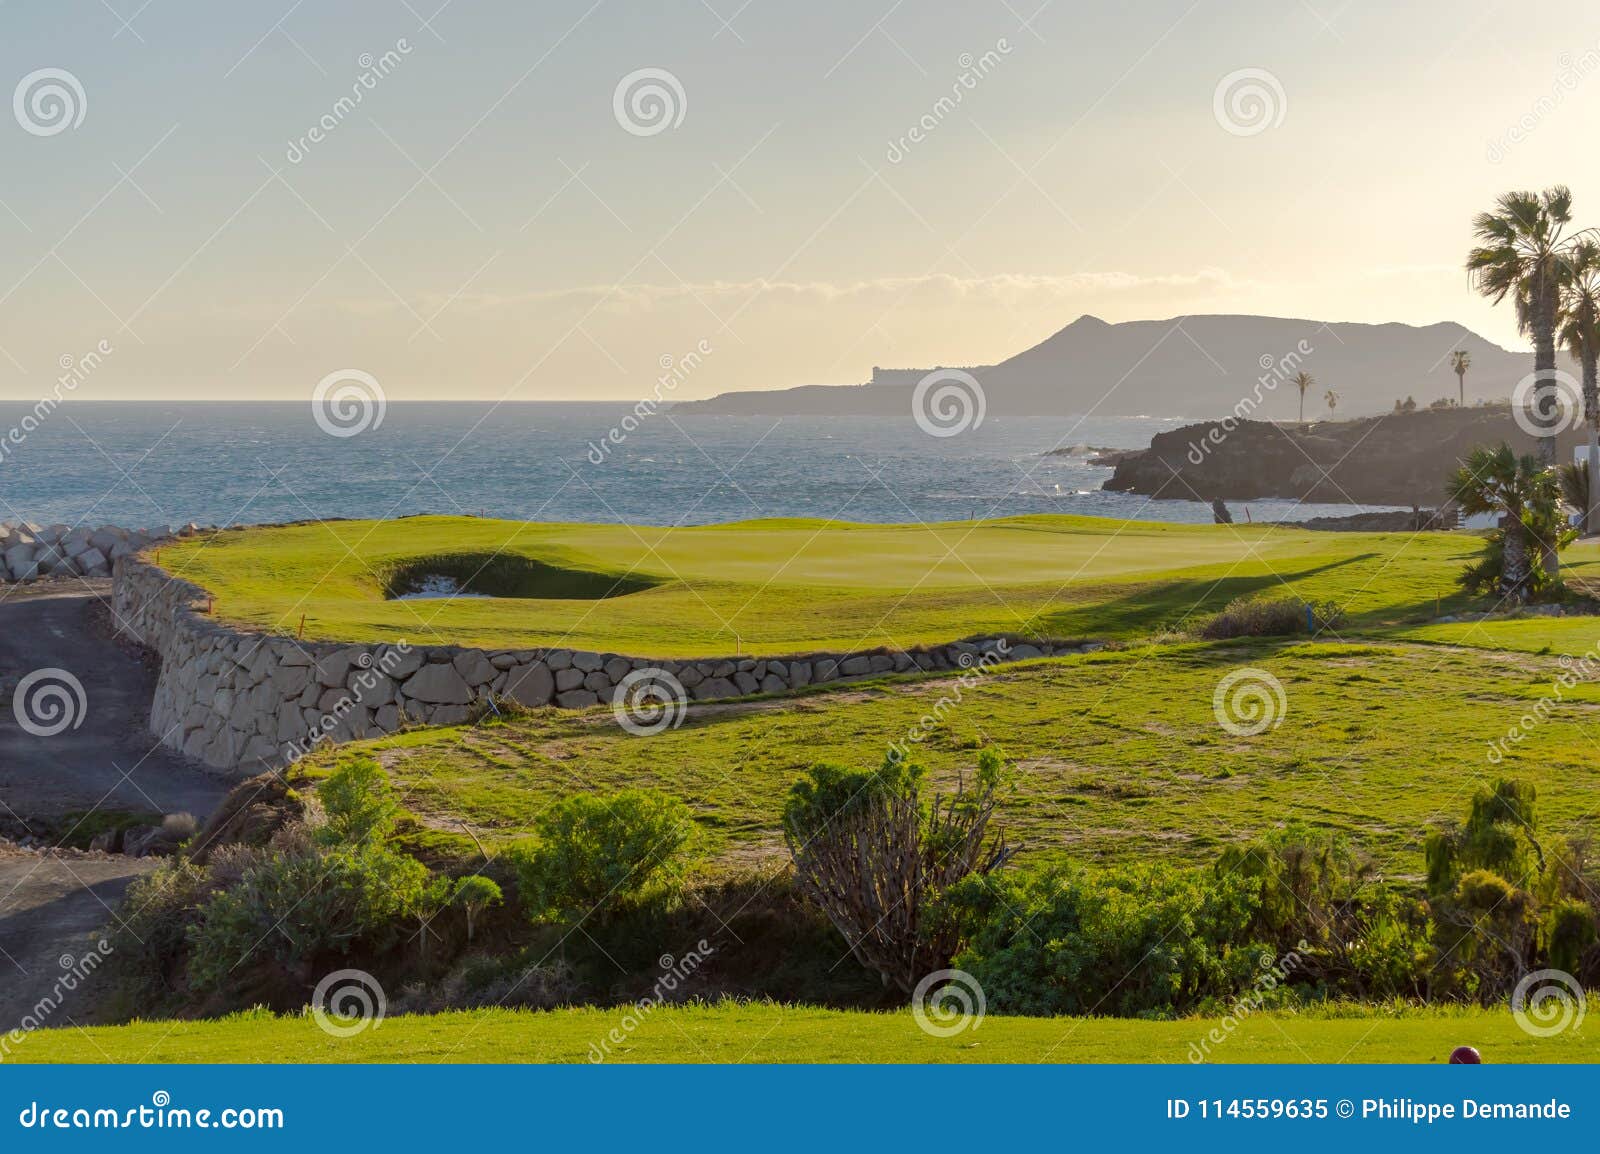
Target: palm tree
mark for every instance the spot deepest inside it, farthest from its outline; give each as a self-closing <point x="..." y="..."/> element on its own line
<point x="1527" y="498"/>
<point x="1519" y="254"/>
<point x="1460" y="361"/>
<point x="1331" y="399"/>
<point x="1303" y="381"/>
<point x="1580" y="335"/>
<point x="1498" y="480"/>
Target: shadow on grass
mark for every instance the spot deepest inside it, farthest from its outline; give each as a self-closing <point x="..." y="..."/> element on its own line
<point x="1175" y="604"/>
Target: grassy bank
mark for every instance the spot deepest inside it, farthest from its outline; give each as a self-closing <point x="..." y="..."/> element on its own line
<point x="1118" y="755"/>
<point x="771" y="1033"/>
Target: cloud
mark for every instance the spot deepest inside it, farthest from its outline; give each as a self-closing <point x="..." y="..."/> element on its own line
<point x="1004" y="288"/>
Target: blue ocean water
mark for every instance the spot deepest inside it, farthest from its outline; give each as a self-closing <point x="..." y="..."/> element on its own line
<point x="142" y="464"/>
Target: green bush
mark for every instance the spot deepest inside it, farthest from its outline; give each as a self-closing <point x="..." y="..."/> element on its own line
<point x="474" y="894"/>
<point x="1568" y="932"/>
<point x="359" y="803"/>
<point x="1270" y="617"/>
<point x="1138" y="941"/>
<point x="152" y="923"/>
<point x="316" y="890"/>
<point x="297" y="905"/>
<point x="593" y="853"/>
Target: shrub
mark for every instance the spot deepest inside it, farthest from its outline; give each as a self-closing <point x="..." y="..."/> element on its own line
<point x="148" y="945"/>
<point x="595" y="852"/>
<point x="314" y="890"/>
<point x="474" y="894"/>
<point x="1504" y="899"/>
<point x="295" y="905"/>
<point x="875" y="858"/>
<point x="1318" y="895"/>
<point x="1270" y="617"/>
<point x="178" y="827"/>
<point x="1140" y="941"/>
<point x="1568" y="933"/>
<point x="359" y="803"/>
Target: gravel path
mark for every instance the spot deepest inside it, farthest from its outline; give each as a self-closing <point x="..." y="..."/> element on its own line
<point x="110" y="760"/>
<point x="55" y="906"/>
<point x="54" y="910"/>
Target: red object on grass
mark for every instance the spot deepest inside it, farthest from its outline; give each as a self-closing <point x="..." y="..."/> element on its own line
<point x="1465" y="1056"/>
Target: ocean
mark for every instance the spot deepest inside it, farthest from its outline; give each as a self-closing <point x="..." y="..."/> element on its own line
<point x="155" y="463"/>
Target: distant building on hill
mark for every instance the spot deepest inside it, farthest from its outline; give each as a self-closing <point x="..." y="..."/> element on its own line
<point x="907" y="377"/>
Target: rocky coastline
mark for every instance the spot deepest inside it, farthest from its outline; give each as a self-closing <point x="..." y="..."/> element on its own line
<point x="1395" y="459"/>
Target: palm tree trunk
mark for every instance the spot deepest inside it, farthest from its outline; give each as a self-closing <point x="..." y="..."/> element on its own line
<point x="1461" y="386"/>
<point x="1546" y="401"/>
<point x="1591" y="409"/>
<point x="1514" y="560"/>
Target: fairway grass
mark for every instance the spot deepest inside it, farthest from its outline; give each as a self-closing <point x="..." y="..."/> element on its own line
<point x="1117" y="755"/>
<point x="767" y="1033"/>
<point x="775" y="587"/>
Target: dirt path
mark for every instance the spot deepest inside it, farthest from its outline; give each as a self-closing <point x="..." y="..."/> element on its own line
<point x="54" y="911"/>
<point x="55" y="907"/>
<point x="110" y="760"/>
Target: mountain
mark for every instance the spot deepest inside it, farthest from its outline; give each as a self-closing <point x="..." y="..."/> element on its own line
<point x="1200" y="365"/>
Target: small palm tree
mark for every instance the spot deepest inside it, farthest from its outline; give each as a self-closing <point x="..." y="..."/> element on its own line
<point x="1303" y="381"/>
<point x="1460" y="362"/>
<point x="1580" y="336"/>
<point x="1331" y="399"/>
<point x="1527" y="498"/>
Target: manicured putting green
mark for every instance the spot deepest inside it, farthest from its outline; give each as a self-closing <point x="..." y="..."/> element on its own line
<point x="773" y="587"/>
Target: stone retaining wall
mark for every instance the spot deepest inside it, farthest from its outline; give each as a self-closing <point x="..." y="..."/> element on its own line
<point x="244" y="701"/>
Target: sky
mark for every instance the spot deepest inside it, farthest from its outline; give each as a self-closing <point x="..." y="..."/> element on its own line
<point x="795" y="196"/>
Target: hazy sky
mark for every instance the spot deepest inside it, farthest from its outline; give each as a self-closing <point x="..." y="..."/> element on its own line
<point x="483" y="223"/>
